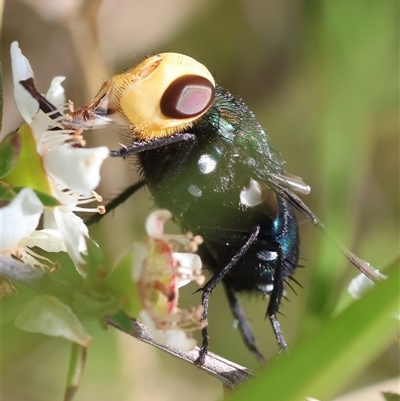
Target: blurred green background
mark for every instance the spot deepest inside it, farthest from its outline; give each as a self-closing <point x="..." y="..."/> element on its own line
<point x="322" y="77"/>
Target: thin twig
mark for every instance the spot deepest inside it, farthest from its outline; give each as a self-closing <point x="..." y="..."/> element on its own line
<point x="229" y="373"/>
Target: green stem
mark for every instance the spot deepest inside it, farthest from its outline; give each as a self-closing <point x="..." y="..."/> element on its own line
<point x="75" y="371"/>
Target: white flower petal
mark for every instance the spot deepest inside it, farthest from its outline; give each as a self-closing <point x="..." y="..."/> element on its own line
<point x="159" y="336"/>
<point x="19" y="218"/>
<point x="39" y="126"/>
<point x="188" y="260"/>
<point x="174" y="338"/>
<point x="21" y="70"/>
<point x="155" y="222"/>
<point x="140" y="254"/>
<point x="189" y="265"/>
<point x="76" y="168"/>
<point x="49" y="240"/>
<point x="68" y="202"/>
<point x="49" y="221"/>
<point x="73" y="232"/>
<point x="179" y="340"/>
<point x="56" y="93"/>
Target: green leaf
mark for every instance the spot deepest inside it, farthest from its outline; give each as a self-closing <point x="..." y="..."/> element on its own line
<point x="8" y="192"/>
<point x="94" y="305"/>
<point x="47" y="315"/>
<point x="47" y="200"/>
<point x="93" y="259"/>
<point x="10" y="149"/>
<point x="323" y="365"/>
<point x="29" y="170"/>
<point x="77" y="362"/>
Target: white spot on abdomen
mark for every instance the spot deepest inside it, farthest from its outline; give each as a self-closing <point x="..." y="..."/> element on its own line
<point x="206" y="164"/>
<point x="252" y="195"/>
<point x="195" y="191"/>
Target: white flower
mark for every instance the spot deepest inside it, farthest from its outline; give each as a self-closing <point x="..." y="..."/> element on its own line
<point x="159" y="272"/>
<point x="172" y="337"/>
<point x="19" y="220"/>
<point x="72" y="174"/>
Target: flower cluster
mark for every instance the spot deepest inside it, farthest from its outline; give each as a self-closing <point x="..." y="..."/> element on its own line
<point x="52" y="177"/>
<point x="52" y="168"/>
<point x="159" y="272"/>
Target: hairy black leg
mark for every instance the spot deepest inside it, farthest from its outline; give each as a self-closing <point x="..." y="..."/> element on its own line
<point x="132" y="150"/>
<point x="275" y="300"/>
<point x="213" y="282"/>
<point x="121" y="198"/>
<point x="144" y="146"/>
<point x="244" y="326"/>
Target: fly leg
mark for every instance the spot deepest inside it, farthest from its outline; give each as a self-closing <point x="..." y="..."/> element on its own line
<point x="244" y="326"/>
<point x="363" y="266"/>
<point x="144" y="146"/>
<point x="275" y="300"/>
<point x="121" y="198"/>
<point x="213" y="282"/>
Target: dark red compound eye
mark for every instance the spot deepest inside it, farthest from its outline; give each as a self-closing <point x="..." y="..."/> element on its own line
<point x="187" y="96"/>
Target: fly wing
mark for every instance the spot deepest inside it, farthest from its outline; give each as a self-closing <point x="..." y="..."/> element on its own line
<point x="286" y="192"/>
<point x="291" y="182"/>
<point x="265" y="165"/>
